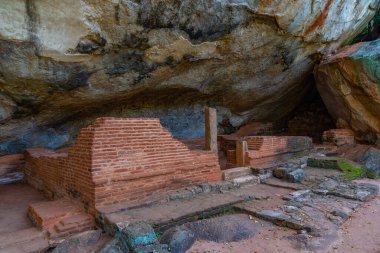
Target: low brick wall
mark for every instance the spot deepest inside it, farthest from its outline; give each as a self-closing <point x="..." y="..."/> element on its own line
<point x="339" y="137"/>
<point x="120" y="160"/>
<point x="260" y="147"/>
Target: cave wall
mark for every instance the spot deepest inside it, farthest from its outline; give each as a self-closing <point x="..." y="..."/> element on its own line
<point x="64" y="63"/>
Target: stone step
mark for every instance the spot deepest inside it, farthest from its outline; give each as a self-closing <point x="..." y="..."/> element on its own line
<point x="236" y="172"/>
<point x="164" y="216"/>
<point x="246" y="180"/>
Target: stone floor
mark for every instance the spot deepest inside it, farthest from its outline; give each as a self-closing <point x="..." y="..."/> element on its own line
<point x="313" y="210"/>
<point x="15" y="199"/>
<point x="311" y="215"/>
<point x="17" y="233"/>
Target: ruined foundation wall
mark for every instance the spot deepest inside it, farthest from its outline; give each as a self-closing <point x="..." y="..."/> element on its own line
<point x="122" y="160"/>
<point x="263" y="147"/>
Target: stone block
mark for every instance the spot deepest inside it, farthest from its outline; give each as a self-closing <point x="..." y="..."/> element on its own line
<point x="139" y="234"/>
<point x="281" y="172"/>
<point x="296" y="176"/>
<point x="236" y="172"/>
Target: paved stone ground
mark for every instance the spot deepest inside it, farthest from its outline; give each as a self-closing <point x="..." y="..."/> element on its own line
<point x="163" y="216"/>
<point x="315" y="211"/>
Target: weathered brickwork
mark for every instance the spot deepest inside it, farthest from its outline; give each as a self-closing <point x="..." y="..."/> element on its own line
<point x="46" y="171"/>
<point x="121" y="160"/>
<point x="339" y="136"/>
<point x="261" y="149"/>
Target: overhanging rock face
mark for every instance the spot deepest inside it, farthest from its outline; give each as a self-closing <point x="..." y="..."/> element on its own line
<point x="73" y="61"/>
<point x="349" y="85"/>
<point x="120" y="161"/>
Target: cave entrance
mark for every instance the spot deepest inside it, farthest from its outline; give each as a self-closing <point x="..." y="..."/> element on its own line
<point x="310" y="118"/>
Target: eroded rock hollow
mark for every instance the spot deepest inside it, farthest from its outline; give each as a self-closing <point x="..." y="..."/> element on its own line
<point x="64" y="63"/>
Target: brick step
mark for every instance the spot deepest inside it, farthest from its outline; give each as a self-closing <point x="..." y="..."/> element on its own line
<point x="62" y="228"/>
<point x="76" y="219"/>
<point x="46" y="214"/>
<point x="236" y="172"/>
<point x="21" y="236"/>
<point x="61" y="231"/>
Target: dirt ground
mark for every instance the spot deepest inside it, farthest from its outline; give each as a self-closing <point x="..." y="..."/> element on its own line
<point x="15" y="199"/>
<point x="360" y="234"/>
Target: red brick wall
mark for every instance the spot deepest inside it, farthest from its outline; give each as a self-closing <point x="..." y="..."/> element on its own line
<point x="45" y="170"/>
<point x="264" y="146"/>
<point x="124" y="160"/>
<point x="339" y="136"/>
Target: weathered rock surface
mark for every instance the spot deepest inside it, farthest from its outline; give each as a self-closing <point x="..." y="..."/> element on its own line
<point x="64" y="63"/>
<point x="349" y="85"/>
<point x="316" y="213"/>
<point x="79" y="243"/>
<point x="371" y="160"/>
<point x="229" y="228"/>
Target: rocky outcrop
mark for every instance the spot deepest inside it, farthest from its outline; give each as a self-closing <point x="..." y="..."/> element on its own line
<point x="64" y="63"/>
<point x="349" y="85"/>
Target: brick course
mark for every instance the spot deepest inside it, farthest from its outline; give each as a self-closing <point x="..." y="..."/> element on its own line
<point x="120" y="160"/>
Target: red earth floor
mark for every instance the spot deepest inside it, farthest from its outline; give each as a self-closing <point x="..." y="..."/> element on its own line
<point x="15" y="199"/>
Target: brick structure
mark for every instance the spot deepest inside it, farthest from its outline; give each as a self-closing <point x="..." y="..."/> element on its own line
<point x="339" y="137"/>
<point x="263" y="150"/>
<point x="120" y="161"/>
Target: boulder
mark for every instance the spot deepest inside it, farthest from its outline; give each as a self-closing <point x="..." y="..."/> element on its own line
<point x="179" y="239"/>
<point x="69" y="62"/>
<point x="371" y="160"/>
<point x="349" y="85"/>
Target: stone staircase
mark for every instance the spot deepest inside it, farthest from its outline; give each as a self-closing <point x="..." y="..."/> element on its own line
<point x="240" y="176"/>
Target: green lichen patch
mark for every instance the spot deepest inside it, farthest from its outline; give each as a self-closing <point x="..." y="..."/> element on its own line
<point x="350" y="170"/>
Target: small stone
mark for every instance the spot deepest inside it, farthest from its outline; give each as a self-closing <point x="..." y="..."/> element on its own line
<point x="296" y="176"/>
<point x="340" y="214"/>
<point x="281" y="172"/>
<point x="139" y="234"/>
<point x="206" y="188"/>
